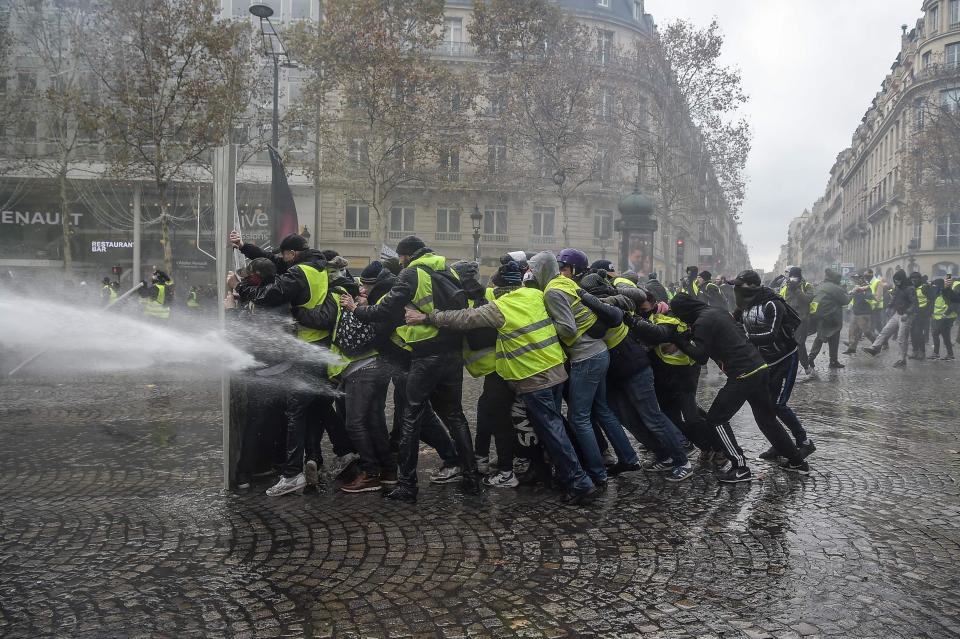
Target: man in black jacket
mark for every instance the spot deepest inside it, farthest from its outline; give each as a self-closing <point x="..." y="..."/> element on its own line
<point x="436" y="362"/>
<point x="308" y="411"/>
<point x="654" y="286"/>
<point x="770" y="326"/>
<point x="716" y="336"/>
<point x="903" y="303"/>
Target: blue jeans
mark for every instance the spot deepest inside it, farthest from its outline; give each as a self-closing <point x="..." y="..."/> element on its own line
<point x="640" y="390"/>
<point x="543" y="411"/>
<point x="586" y="396"/>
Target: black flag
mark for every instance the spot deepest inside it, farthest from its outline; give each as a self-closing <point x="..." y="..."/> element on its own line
<point x="282" y="207"/>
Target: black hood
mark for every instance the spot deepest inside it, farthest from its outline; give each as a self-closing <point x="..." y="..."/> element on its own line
<point x="748" y="296"/>
<point x="686" y="308"/>
<point x="313" y="257"/>
<point x="900" y="278"/>
<point x="596" y="284"/>
<point x="385" y="282"/>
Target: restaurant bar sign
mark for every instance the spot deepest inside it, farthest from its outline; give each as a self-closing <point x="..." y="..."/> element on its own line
<point x="105" y="246"/>
<point x="36" y="218"/>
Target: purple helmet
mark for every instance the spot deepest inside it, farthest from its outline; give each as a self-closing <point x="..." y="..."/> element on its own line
<point x="574" y="258"/>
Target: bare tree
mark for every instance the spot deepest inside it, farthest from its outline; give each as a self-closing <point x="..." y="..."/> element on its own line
<point x="712" y="96"/>
<point x="383" y="107"/>
<point x="49" y="30"/>
<point x="930" y="184"/>
<point x="548" y="97"/>
<point x="174" y="79"/>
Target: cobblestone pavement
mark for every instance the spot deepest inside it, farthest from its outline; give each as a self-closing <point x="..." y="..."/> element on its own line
<point x="113" y="524"/>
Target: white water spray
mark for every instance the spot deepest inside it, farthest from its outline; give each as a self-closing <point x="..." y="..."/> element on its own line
<point x="79" y="339"/>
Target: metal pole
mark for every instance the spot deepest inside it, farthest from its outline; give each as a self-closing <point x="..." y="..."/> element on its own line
<point x="136" y="232"/>
<point x="476" y="246"/>
<point x="225" y="204"/>
<point x="276" y="101"/>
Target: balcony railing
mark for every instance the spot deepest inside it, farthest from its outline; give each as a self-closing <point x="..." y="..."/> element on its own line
<point x="447" y="237"/>
<point x="355" y="233"/>
<point x="398" y="235"/>
<point x="543" y="240"/>
<point x="455" y="50"/>
<point x="496" y="238"/>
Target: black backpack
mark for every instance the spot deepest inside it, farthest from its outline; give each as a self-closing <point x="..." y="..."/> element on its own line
<point x="448" y="294"/>
<point x="791" y="320"/>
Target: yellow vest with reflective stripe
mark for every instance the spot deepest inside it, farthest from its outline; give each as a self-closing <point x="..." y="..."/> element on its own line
<point x="922" y="300"/>
<point x="422" y="299"/>
<point x="318" y="281"/>
<point x="334" y="370"/>
<point x="155" y="308"/>
<point x="615" y="335"/>
<point x="583" y="315"/>
<point x="874" y="283"/>
<point x="192" y="300"/>
<point x="622" y="281"/>
<point x="678" y="358"/>
<point x="941" y="310"/>
<point x="527" y="343"/>
<point x="394" y="336"/>
<point x="483" y="362"/>
<point x="112" y="293"/>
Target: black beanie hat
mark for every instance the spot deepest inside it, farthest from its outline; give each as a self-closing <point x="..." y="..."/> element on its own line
<point x="410" y="245"/>
<point x="706" y="276"/>
<point x="508" y="274"/>
<point x="371" y="272"/>
<point x="748" y="278"/>
<point x="602" y="265"/>
<point x="294" y="242"/>
<point x="795" y="272"/>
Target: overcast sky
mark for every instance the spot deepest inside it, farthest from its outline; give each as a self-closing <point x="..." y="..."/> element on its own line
<point x="811" y="69"/>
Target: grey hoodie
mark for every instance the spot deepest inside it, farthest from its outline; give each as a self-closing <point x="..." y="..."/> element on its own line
<point x="545" y="268"/>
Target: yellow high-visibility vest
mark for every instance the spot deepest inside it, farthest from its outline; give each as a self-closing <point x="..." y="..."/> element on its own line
<point x="155" y="308"/>
<point x="423" y="298"/>
<point x="319" y="282"/>
<point x="527" y="343"/>
<point x="483" y="362"/>
<point x="673" y="359"/>
<point x="583" y="315"/>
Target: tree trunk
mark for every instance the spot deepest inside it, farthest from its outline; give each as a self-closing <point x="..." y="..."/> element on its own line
<point x="380" y="234"/>
<point x="165" y="232"/>
<point x="65" y="223"/>
<point x="564" y="226"/>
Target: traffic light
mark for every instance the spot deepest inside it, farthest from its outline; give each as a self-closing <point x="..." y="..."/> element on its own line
<point x="117" y="270"/>
<point x="680" y="246"/>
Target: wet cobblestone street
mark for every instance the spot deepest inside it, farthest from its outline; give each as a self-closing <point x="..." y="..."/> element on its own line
<point x="113" y="524"/>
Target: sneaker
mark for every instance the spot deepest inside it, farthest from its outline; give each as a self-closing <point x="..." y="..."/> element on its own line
<point x="658" y="466"/>
<point x="836" y="365"/>
<point x="311" y="473"/>
<point x="771" y="454"/>
<point x="446" y="475"/>
<point x="948" y="358"/>
<point x="243" y="482"/>
<point x="483" y="465"/>
<point x="870" y="350"/>
<point x="364" y="483"/>
<point x="735" y="475"/>
<point x="621" y="467"/>
<point x="609" y="457"/>
<point x="900" y="363"/>
<point x="472" y="484"/>
<point x="679" y="473"/>
<point x="389" y="477"/>
<point x="502" y="479"/>
<point x="401" y="494"/>
<point x="288" y="485"/>
<point x="342" y="463"/>
<point x="803" y="468"/>
<point x="935" y="356"/>
<point x="807" y="448"/>
<point x="577" y="497"/>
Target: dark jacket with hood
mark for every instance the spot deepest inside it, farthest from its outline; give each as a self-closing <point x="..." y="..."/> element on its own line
<point x="630" y="356"/>
<point x="391" y="309"/>
<point x="715" y="335"/>
<point x="762" y="313"/>
<point x="290" y="286"/>
<point x="903" y="300"/>
<point x="830" y="300"/>
<point x="655" y="287"/>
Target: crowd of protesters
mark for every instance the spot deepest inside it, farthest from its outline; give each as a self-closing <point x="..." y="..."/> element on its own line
<point x="622" y="352"/>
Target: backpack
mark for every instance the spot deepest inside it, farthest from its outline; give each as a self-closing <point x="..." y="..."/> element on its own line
<point x="448" y="294"/>
<point x="791" y="320"/>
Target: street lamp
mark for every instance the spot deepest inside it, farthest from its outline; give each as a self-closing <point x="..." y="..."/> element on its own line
<point x="477" y="219"/>
<point x="273" y="47"/>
